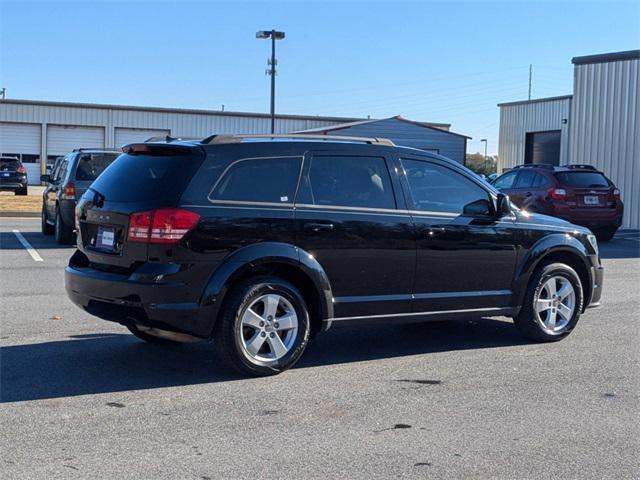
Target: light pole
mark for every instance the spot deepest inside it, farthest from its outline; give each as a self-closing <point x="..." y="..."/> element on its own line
<point x="485" y="152"/>
<point x="273" y="35"/>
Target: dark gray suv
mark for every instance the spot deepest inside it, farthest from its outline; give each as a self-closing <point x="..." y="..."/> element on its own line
<point x="70" y="178"/>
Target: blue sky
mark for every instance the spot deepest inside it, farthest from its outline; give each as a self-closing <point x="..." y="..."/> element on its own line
<point x="434" y="61"/>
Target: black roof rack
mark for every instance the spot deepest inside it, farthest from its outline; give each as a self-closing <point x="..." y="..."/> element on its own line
<point x="580" y="166"/>
<point x="224" y="138"/>
<point x="536" y="165"/>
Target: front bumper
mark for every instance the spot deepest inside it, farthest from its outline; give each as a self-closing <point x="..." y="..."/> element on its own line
<point x="123" y="299"/>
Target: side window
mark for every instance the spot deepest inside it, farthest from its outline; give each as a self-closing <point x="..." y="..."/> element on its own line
<point x="439" y="189"/>
<point x="272" y="180"/>
<point x="351" y="182"/>
<point x="62" y="171"/>
<point x="525" y="179"/>
<point x="540" y="181"/>
<point x="505" y="181"/>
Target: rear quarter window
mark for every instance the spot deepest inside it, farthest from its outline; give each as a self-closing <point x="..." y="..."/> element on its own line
<point x="582" y="179"/>
<point x="258" y="180"/>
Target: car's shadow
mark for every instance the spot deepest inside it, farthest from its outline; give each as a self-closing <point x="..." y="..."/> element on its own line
<point x="102" y="363"/>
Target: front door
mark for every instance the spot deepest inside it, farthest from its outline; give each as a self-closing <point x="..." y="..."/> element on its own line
<point x="351" y="216"/>
<point x="466" y="256"/>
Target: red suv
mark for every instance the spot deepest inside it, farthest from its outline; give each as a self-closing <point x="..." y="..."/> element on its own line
<point x="579" y="194"/>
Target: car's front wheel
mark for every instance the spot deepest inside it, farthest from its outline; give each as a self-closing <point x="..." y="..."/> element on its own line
<point x="263" y="327"/>
<point x="552" y="303"/>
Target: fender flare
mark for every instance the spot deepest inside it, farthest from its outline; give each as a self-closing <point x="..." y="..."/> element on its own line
<point x="244" y="259"/>
<point x="550" y="244"/>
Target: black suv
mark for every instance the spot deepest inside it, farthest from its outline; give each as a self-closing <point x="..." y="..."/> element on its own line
<point x="260" y="243"/>
<point x="13" y="175"/>
<point x="69" y="179"/>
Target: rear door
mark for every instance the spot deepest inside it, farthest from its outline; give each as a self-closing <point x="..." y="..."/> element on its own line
<point x="53" y="190"/>
<point x="146" y="178"/>
<point x="522" y="190"/>
<point x="350" y="215"/>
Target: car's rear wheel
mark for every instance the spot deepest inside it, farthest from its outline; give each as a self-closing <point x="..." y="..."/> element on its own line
<point x="22" y="191"/>
<point x="552" y="303"/>
<point x="63" y="232"/>
<point x="44" y="225"/>
<point x="263" y="327"/>
<point x="605" y="234"/>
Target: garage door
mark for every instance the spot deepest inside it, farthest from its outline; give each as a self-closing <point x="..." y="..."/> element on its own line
<point x="61" y="139"/>
<point x="23" y="139"/>
<point x="125" y="136"/>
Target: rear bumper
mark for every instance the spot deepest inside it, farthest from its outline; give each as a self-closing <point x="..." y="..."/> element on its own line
<point x="119" y="298"/>
<point x="590" y="218"/>
<point x="13" y="184"/>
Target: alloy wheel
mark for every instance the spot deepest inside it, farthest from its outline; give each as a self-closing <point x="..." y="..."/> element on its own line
<point x="555" y="304"/>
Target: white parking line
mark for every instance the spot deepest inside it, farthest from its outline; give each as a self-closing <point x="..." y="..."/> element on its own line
<point x="32" y="251"/>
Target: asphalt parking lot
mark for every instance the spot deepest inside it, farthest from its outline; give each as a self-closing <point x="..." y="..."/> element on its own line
<point x="82" y="398"/>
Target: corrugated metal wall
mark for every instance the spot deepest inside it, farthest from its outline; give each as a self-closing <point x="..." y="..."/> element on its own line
<point x="518" y="119"/>
<point x="606" y="127"/>
<point x="409" y="135"/>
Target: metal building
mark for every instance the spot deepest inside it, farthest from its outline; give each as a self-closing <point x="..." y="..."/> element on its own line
<point x="432" y="137"/>
<point x="598" y="125"/>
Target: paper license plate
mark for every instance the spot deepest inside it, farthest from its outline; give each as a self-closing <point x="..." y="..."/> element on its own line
<point x="106" y="238"/>
<point x="6" y="174"/>
<point x="591" y="200"/>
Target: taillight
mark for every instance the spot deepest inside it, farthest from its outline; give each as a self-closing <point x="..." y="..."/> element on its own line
<point x="616" y="193"/>
<point x="69" y="191"/>
<point x="165" y="225"/>
<point x="557" y="193"/>
<point x="21" y="169"/>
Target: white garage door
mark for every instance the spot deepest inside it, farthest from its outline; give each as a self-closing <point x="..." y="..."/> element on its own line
<point x="124" y="136"/>
<point x="62" y="139"/>
<point x="23" y="139"/>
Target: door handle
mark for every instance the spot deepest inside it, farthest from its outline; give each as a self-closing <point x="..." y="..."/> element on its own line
<point x="433" y="231"/>
<point x="318" y="227"/>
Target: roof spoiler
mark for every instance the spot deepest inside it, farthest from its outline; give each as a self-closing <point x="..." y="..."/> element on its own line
<point x="222" y="139"/>
<point x="96" y="149"/>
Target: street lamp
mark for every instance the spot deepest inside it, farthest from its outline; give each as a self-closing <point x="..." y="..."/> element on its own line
<point x="273" y="35"/>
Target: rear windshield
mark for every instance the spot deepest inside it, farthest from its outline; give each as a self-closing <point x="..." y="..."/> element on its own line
<point x="10" y="163"/>
<point x="135" y="178"/>
<point x="582" y="179"/>
<point x="90" y="165"/>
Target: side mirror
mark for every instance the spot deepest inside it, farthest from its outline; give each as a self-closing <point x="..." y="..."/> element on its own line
<point x="45" y="178"/>
<point x="503" y="205"/>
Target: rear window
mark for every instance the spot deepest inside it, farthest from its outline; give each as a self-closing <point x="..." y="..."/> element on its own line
<point x="582" y="179"/>
<point x="134" y="178"/>
<point x="10" y="163"/>
<point x="90" y="165"/>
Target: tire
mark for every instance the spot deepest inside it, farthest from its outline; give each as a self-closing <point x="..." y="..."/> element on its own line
<point x="605" y="234"/>
<point x="532" y="324"/>
<point x="45" y="227"/>
<point x="150" y="338"/>
<point x="247" y="346"/>
<point x="63" y="233"/>
<point x="22" y="191"/>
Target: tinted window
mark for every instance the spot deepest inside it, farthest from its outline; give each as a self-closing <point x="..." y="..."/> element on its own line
<point x="351" y="182"/>
<point x="90" y="165"/>
<point x="440" y="189"/>
<point x="271" y="180"/>
<point x="134" y="178"/>
<point x="540" y="181"/>
<point x="582" y="179"/>
<point x="9" y="163"/>
<point x="525" y="179"/>
<point x="505" y="181"/>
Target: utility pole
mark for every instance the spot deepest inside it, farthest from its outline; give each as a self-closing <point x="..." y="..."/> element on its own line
<point x="484" y="140"/>
<point x="274" y="35"/>
<point x="530" y="72"/>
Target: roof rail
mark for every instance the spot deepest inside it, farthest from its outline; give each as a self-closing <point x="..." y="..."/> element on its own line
<point x="219" y="139"/>
<point x="169" y="139"/>
<point x="580" y="166"/>
<point x="536" y="165"/>
<point x="96" y="149"/>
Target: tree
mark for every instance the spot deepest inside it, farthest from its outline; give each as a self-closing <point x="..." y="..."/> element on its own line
<point x="477" y="163"/>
